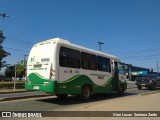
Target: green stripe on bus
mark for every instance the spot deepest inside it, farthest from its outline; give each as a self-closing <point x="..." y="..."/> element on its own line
<point x="71" y="79"/>
<point x="69" y="86"/>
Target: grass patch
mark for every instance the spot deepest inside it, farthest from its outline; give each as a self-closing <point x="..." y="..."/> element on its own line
<point x="10" y="85"/>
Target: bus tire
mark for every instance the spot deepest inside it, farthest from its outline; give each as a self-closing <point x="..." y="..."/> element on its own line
<point x="86" y="92"/>
<point x="62" y="96"/>
<point x="121" y="90"/>
<point x="139" y="87"/>
<point x="153" y="87"/>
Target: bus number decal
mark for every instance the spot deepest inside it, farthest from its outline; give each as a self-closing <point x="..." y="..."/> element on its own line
<point x="45" y="59"/>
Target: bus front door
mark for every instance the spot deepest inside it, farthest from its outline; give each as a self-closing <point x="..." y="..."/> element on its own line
<point x="115" y="77"/>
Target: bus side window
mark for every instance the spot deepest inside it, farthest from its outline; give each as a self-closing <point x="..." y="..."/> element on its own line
<point x="121" y="68"/>
<point x="64" y="61"/>
<point x="88" y="61"/>
<point x="69" y="58"/>
<point x="103" y="64"/>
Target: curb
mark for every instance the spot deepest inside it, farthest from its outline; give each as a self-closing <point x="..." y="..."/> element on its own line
<point x="47" y="95"/>
<point x="132" y="87"/>
<point x="24" y="97"/>
<point x="15" y="92"/>
<point x="149" y="93"/>
<point x="34" y="91"/>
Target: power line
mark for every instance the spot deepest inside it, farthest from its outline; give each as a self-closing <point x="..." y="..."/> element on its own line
<point x="144" y="59"/>
<point x="16" y="49"/>
<point x="138" y="51"/>
<point x="142" y="56"/>
<point x="117" y="53"/>
<point x="19" y="40"/>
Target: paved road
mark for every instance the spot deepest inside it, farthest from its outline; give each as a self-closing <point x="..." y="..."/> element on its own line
<point x="19" y="95"/>
<point x="131" y="101"/>
<point x="22" y="95"/>
<point x="52" y="103"/>
<point x="39" y="93"/>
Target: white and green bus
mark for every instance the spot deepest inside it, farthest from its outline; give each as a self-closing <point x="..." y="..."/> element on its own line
<point x="60" y="67"/>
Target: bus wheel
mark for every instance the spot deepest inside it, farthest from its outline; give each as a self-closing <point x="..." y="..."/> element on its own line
<point x="86" y="92"/>
<point x="121" y="90"/>
<point x="139" y="87"/>
<point x="153" y="87"/>
<point x="62" y="96"/>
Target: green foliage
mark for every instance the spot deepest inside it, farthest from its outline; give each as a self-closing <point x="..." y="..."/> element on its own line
<point x="3" y="53"/>
<point x="1" y="37"/>
<point x="20" y="70"/>
<point x="10" y="71"/>
<point x="10" y="85"/>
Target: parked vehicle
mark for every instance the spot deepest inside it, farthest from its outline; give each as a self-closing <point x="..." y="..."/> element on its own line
<point x="149" y="81"/>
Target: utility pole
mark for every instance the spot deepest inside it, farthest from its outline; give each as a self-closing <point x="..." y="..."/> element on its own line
<point x="157" y="69"/>
<point x="15" y="78"/>
<point x="3" y="15"/>
<point x="25" y="65"/>
<point x="100" y="43"/>
<point x="25" y="59"/>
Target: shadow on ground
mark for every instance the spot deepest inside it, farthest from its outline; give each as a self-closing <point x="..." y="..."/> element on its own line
<point x="71" y="100"/>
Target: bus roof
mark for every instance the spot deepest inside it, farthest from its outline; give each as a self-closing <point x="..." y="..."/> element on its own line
<point x="66" y="42"/>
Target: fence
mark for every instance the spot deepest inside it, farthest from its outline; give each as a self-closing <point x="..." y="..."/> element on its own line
<point x="10" y="85"/>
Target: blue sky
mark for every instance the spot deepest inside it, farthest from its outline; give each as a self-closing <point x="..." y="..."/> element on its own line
<point x="130" y="29"/>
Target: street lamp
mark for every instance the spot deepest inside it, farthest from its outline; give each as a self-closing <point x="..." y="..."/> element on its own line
<point x="15" y="78"/>
<point x="25" y="59"/>
<point x="157" y="69"/>
<point x="3" y="15"/>
<point x="100" y="43"/>
<point x="25" y="64"/>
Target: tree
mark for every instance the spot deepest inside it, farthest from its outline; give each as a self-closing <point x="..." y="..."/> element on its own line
<point x="3" y="53"/>
<point x="20" y="70"/>
<point x="10" y="71"/>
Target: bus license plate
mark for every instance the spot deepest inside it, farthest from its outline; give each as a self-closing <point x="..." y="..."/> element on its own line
<point x="36" y="87"/>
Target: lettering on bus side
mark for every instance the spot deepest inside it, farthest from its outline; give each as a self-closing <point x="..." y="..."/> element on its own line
<point x="45" y="59"/>
<point x="77" y="71"/>
<point x="65" y="71"/>
<point x="70" y="71"/>
<point x="100" y="77"/>
<point x="38" y="69"/>
<point x="32" y="59"/>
